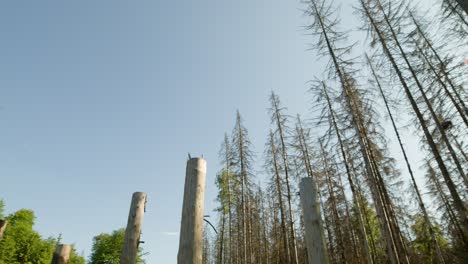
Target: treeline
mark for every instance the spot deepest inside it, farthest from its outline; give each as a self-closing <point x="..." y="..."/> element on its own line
<point x="20" y="243"/>
<point x="371" y="211"/>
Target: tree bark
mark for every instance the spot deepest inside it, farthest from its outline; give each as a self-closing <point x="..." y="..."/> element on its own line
<point x="445" y="173"/>
<point x="284" y="156"/>
<point x="464" y="5"/>
<point x="133" y="230"/>
<point x="62" y="254"/>
<point x="315" y="238"/>
<point x="413" y="181"/>
<point x="3" y="225"/>
<point x="280" y="200"/>
<point x="370" y="258"/>
<point x="191" y="230"/>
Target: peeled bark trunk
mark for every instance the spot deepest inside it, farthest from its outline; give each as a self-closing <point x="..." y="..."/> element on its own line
<point x="133" y="230"/>
<point x="315" y="239"/>
<point x="191" y="230"/>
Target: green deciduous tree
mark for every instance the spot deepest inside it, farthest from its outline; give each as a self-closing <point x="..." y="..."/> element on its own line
<point x="21" y="244"/>
<point x="108" y="247"/>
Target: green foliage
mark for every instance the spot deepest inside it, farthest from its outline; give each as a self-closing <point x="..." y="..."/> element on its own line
<point x="372" y="225"/>
<point x="75" y="258"/>
<point x="423" y="244"/>
<point x="225" y="181"/>
<point x="108" y="247"/>
<point x="21" y="244"/>
<point x="2" y="207"/>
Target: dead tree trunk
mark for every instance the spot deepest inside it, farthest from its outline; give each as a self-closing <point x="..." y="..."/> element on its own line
<point x="458" y="203"/>
<point x="315" y="238"/>
<point x="370" y="257"/>
<point x="191" y="229"/>
<point x="463" y="4"/>
<point x="280" y="200"/>
<point x="62" y="254"/>
<point x="133" y="231"/>
<point x="284" y="156"/>
<point x="413" y="181"/>
<point x="3" y="224"/>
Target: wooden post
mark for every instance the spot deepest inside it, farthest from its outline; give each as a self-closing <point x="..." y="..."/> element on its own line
<point x="133" y="231"/>
<point x="3" y="224"/>
<point x="191" y="229"/>
<point x="62" y="254"/>
<point x="315" y="239"/>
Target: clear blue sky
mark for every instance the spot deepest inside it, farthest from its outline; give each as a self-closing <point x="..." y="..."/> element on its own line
<point x="99" y="99"/>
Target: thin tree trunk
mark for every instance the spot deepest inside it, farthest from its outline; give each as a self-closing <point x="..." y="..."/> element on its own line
<point x="221" y="242"/>
<point x="370" y="258"/>
<point x="243" y="191"/>
<point x="445" y="173"/>
<point x="294" y="256"/>
<point x="444" y="86"/>
<point x="426" y="100"/>
<point x="280" y="200"/>
<point x="452" y="216"/>
<point x="413" y="181"/>
<point x="377" y="191"/>
<point x="335" y="215"/>
<point x="228" y="176"/>
<point x="350" y="231"/>
<point x="464" y="5"/>
<point x="441" y="62"/>
<point x="327" y="227"/>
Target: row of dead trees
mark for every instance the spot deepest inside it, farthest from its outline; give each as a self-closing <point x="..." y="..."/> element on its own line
<point x="371" y="211"/>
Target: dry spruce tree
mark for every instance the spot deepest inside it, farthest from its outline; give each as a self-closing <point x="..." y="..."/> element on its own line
<point x="341" y="67"/>
<point x="381" y="20"/>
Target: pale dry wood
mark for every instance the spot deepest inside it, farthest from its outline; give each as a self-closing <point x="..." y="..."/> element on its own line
<point x="62" y="254"/>
<point x="191" y="229"/>
<point x="3" y="224"/>
<point x="133" y="231"/>
<point x="314" y="236"/>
